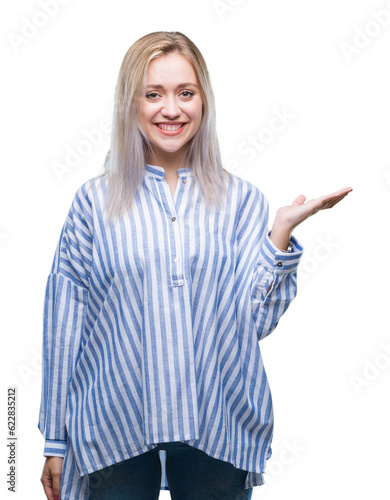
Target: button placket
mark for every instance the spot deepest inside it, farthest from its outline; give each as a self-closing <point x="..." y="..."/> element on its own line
<point x="176" y="260"/>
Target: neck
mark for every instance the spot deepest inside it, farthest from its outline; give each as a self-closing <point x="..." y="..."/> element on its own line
<point x="169" y="161"/>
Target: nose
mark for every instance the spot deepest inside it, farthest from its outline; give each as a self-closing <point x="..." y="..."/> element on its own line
<point x="170" y="108"/>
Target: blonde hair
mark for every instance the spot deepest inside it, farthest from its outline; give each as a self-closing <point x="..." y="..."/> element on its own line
<point x="125" y="162"/>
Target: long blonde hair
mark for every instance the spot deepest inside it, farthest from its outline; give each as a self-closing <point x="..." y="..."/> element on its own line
<point x="125" y="162"/>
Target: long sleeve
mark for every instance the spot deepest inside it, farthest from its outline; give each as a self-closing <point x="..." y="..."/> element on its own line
<point x="151" y="328"/>
<point x="271" y="273"/>
<point x="65" y="305"/>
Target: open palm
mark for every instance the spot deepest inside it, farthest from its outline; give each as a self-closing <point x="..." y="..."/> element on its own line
<point x="292" y="215"/>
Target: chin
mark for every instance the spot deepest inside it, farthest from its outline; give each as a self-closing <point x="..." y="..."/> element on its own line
<point x="168" y="149"/>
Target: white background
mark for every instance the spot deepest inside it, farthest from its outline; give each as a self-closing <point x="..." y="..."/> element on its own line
<point x="326" y="362"/>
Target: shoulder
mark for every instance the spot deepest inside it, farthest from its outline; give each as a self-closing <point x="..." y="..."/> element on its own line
<point x="247" y="192"/>
<point x="83" y="206"/>
<point x="88" y="194"/>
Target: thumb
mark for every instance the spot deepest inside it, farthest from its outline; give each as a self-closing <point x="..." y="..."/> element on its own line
<point x="299" y="200"/>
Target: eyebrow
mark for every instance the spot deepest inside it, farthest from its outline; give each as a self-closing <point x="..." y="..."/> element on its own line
<point x="156" y="86"/>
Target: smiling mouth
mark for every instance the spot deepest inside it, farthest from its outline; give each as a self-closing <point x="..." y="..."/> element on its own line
<point x="170" y="126"/>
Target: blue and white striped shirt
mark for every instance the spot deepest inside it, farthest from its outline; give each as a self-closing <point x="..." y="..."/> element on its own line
<point x="152" y="326"/>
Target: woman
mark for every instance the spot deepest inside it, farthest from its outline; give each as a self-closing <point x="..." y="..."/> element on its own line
<point x="164" y="280"/>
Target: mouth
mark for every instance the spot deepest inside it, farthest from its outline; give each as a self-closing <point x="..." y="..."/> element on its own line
<point x="170" y="128"/>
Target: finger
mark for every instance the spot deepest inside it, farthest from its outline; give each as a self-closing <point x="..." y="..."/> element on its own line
<point x="332" y="202"/>
<point x="341" y="192"/>
<point x="299" y="200"/>
<point x="47" y="487"/>
<point x="325" y="204"/>
<point x="56" y="485"/>
<point x="323" y="201"/>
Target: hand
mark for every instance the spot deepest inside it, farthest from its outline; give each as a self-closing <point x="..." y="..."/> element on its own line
<point x="51" y="477"/>
<point x="288" y="217"/>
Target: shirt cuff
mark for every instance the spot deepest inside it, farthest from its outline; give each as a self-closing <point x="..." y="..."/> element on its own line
<point x="281" y="261"/>
<point x="54" y="448"/>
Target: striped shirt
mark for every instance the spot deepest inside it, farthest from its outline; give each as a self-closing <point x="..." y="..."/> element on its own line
<point x="152" y="325"/>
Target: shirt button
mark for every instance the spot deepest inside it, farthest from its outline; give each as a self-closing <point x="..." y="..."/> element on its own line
<point x="176" y="259"/>
<point x="279" y="264"/>
<point x="184" y="181"/>
<point x="173" y="219"/>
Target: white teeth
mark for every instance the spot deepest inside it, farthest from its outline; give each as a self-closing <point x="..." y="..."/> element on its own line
<point x="169" y="127"/>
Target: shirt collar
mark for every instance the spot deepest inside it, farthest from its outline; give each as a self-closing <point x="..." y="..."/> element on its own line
<point x="157" y="171"/>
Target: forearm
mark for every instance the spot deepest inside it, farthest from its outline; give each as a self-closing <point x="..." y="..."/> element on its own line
<point x="280" y="236"/>
<point x="274" y="284"/>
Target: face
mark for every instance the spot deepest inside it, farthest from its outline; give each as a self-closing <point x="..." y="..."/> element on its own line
<point x="171" y="109"/>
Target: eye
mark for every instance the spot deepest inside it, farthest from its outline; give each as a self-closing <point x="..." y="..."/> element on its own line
<point x="151" y="95"/>
<point x="188" y="92"/>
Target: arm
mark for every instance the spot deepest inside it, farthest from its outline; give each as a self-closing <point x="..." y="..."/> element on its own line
<point x="64" y="312"/>
<point x="66" y="300"/>
<point x="282" y="283"/>
<point x="264" y="274"/>
<point x="289" y="217"/>
<point x="274" y="284"/>
<point x="274" y="278"/>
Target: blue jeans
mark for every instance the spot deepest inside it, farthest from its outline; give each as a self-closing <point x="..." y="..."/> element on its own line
<point x="191" y="475"/>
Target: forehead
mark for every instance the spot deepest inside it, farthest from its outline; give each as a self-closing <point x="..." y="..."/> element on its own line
<point x="170" y="68"/>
